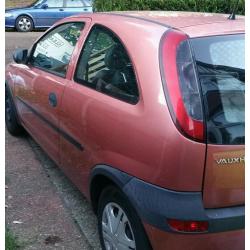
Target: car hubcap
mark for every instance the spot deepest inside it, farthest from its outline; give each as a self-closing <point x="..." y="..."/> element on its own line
<point x="116" y="229"/>
<point x="24" y="24"/>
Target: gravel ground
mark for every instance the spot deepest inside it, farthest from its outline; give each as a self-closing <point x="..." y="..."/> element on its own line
<point x="43" y="208"/>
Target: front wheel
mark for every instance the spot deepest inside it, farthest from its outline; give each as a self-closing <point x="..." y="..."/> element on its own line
<point x="119" y="226"/>
<point x="24" y="24"/>
<point x="11" y="119"/>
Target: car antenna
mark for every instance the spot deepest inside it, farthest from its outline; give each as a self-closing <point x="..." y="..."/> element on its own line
<point x="232" y="15"/>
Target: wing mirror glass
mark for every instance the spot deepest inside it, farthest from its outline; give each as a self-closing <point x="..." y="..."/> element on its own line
<point x="20" y="55"/>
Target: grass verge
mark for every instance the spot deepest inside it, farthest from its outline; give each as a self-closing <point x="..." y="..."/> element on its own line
<point x="10" y="241"/>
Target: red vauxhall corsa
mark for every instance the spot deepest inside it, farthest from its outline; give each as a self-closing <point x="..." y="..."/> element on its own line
<point x="145" y="113"/>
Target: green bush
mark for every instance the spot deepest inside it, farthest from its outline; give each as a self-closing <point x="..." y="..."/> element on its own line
<point x="218" y="6"/>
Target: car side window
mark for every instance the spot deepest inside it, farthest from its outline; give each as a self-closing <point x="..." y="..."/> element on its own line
<point x="75" y="3"/>
<point x="54" y="3"/>
<point x="105" y="66"/>
<point x="53" y="52"/>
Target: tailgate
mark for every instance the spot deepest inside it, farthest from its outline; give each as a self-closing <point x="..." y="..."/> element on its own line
<point x="220" y="65"/>
<point x="224" y="182"/>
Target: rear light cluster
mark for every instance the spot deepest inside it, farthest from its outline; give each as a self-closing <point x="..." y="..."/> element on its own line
<point x="188" y="226"/>
<point x="182" y="86"/>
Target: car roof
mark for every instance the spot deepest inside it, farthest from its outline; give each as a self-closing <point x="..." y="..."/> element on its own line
<point x="194" y="24"/>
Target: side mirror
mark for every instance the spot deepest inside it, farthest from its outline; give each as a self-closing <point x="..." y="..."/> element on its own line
<point x="44" y="6"/>
<point x="20" y="55"/>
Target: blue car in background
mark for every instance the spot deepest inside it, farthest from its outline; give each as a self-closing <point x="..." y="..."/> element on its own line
<point x="44" y="13"/>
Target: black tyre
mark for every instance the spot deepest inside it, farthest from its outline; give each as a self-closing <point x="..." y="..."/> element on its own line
<point x="118" y="223"/>
<point x="11" y="119"/>
<point x="24" y="24"/>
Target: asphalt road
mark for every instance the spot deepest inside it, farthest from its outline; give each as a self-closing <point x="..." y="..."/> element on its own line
<point x="14" y="40"/>
<point x="43" y="208"/>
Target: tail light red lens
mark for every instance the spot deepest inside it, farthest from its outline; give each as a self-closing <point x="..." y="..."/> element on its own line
<point x="182" y="86"/>
<point x="188" y="226"/>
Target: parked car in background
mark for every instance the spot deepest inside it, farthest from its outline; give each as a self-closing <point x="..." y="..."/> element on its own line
<point x="44" y="13"/>
<point x="150" y="127"/>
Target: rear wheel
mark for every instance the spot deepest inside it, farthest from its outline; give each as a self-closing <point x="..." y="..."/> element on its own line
<point x="11" y="119"/>
<point x="119" y="226"/>
<point x="24" y="24"/>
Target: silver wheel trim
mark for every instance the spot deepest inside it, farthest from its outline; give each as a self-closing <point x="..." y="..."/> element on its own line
<point x="24" y="24"/>
<point x="116" y="229"/>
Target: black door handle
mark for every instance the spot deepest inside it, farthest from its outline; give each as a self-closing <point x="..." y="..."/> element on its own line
<point x="52" y="99"/>
<point x="61" y="9"/>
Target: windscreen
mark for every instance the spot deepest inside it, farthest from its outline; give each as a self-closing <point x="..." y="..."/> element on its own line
<point x="36" y="3"/>
<point x="220" y="63"/>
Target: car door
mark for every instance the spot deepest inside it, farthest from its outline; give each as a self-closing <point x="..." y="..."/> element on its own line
<point x="73" y="7"/>
<point x="90" y="112"/>
<point x="40" y="84"/>
<point x="49" y="12"/>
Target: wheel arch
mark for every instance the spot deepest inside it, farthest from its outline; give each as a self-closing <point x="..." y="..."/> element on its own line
<point x="103" y="176"/>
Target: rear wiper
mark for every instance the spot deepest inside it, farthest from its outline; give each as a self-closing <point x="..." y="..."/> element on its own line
<point x="206" y="69"/>
<point x="231" y="125"/>
<point x="220" y="67"/>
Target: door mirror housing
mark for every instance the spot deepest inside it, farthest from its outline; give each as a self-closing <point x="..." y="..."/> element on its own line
<point x="20" y="56"/>
<point x="44" y="6"/>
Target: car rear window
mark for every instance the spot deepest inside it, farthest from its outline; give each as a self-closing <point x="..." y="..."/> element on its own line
<point x="220" y="62"/>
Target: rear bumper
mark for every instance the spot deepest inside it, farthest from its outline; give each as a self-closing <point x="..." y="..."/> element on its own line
<point x="231" y="240"/>
<point x="155" y="205"/>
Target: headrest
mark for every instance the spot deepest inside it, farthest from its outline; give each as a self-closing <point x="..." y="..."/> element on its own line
<point x="116" y="58"/>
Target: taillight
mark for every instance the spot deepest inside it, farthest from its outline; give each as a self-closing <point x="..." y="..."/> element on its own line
<point x="188" y="226"/>
<point x="182" y="87"/>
